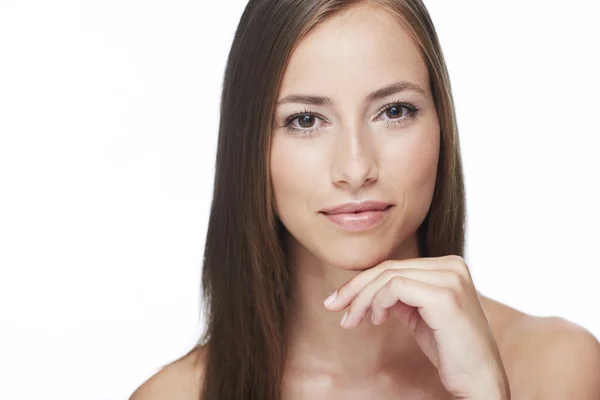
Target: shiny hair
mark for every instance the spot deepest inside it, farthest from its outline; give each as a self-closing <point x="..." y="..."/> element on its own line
<point x="245" y="276"/>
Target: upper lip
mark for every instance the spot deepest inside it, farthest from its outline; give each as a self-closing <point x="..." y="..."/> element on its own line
<point x="370" y="205"/>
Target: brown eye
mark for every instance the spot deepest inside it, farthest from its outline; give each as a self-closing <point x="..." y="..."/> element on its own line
<point x="306" y="125"/>
<point x="306" y="121"/>
<point x="393" y="112"/>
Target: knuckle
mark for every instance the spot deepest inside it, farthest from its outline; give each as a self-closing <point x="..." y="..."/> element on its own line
<point x="376" y="301"/>
<point x="389" y="274"/>
<point x="451" y="298"/>
<point x="360" y="303"/>
<point x="456" y="258"/>
<point x="396" y="283"/>
<point x="387" y="265"/>
<point x="456" y="281"/>
<point x="460" y="266"/>
<point x="458" y="262"/>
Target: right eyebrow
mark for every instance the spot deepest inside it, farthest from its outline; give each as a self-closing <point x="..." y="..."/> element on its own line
<point x="378" y="94"/>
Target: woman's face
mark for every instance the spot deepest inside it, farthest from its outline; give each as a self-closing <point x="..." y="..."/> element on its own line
<point x="351" y="147"/>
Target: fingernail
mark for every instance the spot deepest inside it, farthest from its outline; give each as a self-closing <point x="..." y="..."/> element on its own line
<point x="330" y="299"/>
<point x="344" y="318"/>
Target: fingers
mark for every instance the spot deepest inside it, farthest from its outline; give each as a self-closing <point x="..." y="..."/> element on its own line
<point x="347" y="292"/>
<point x="433" y="302"/>
<point x="414" y="287"/>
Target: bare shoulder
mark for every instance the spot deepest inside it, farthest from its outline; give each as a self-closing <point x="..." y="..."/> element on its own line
<point x="562" y="359"/>
<point x="179" y="380"/>
<point x="545" y="357"/>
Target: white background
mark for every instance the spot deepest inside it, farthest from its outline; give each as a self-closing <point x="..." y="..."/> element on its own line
<point x="108" y="128"/>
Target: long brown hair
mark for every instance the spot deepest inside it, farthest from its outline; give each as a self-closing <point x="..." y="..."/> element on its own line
<point x="245" y="273"/>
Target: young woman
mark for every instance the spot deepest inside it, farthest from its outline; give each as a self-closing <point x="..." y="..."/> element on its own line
<point x="339" y="172"/>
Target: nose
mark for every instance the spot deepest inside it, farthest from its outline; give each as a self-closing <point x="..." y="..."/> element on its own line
<point x="354" y="161"/>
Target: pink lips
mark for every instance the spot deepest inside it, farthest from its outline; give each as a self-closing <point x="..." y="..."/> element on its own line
<point x="357" y="216"/>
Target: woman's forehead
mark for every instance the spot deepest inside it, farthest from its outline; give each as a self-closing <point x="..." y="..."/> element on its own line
<point x="358" y="52"/>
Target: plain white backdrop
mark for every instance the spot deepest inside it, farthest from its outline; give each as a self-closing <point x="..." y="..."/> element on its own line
<point x="108" y="129"/>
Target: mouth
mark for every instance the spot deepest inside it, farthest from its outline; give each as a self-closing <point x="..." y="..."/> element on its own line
<point x="358" y="220"/>
<point x="357" y="207"/>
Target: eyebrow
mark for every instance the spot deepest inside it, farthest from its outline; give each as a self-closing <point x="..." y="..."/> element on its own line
<point x="373" y="96"/>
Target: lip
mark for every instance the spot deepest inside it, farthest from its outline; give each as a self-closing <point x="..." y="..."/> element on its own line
<point x="357" y="217"/>
<point x="357" y="207"/>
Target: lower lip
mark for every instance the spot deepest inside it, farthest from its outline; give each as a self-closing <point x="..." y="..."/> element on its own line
<point x="358" y="221"/>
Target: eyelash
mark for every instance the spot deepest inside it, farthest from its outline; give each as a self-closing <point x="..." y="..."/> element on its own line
<point x="411" y="114"/>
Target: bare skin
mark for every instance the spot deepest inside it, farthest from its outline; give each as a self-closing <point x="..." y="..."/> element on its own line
<point x="353" y="153"/>
<point x="521" y="338"/>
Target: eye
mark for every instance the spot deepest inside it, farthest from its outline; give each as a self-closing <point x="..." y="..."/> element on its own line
<point x="396" y="116"/>
<point x="306" y="122"/>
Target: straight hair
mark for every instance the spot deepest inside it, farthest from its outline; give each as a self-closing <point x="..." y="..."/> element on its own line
<point x="245" y="275"/>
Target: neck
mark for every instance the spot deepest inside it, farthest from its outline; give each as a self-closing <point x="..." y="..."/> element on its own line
<point x="317" y="342"/>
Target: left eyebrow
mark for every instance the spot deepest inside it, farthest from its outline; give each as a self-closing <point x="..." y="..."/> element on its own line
<point x="373" y="96"/>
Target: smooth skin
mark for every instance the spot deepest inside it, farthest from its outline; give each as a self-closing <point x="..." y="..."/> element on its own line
<point x="433" y="298"/>
<point x="434" y="336"/>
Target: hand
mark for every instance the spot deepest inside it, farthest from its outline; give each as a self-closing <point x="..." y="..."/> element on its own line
<point x="434" y="297"/>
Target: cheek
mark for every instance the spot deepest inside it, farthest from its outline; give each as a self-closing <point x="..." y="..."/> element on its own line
<point x="412" y="165"/>
<point x="424" y="159"/>
<point x="294" y="175"/>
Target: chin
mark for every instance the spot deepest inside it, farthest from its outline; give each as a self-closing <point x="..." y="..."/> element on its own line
<point x="356" y="258"/>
